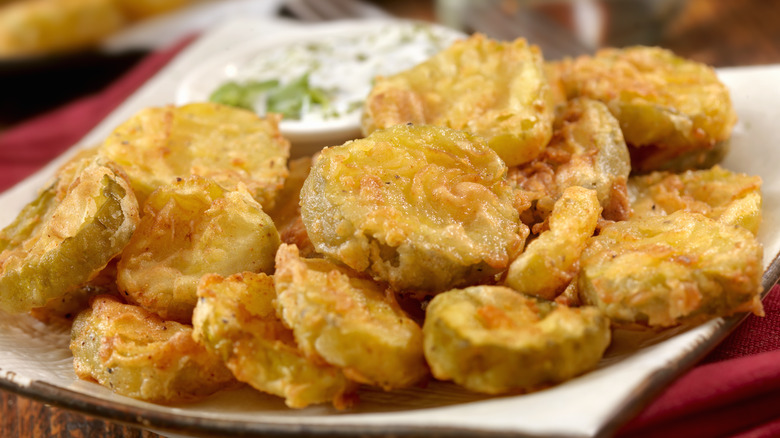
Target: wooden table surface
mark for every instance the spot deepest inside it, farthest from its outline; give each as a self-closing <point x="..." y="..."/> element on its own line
<point x="717" y="32"/>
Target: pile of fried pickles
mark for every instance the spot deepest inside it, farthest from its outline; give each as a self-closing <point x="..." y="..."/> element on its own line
<point x="501" y="215"/>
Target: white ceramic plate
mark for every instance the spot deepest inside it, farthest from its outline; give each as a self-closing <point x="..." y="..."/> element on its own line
<point x="341" y="59"/>
<point x="35" y="360"/>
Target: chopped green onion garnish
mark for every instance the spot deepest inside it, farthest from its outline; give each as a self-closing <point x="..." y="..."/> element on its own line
<point x="242" y="95"/>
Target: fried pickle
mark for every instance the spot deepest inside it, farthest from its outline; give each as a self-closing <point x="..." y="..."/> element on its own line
<point x="287" y="212"/>
<point x="66" y="236"/>
<point x="550" y="261"/>
<point x="587" y="150"/>
<point x="493" y="340"/>
<point x="191" y="228"/>
<point x="720" y="194"/>
<point x="495" y="89"/>
<point x="235" y="318"/>
<point x="135" y="353"/>
<point x="38" y="27"/>
<point x="229" y="145"/>
<point x="64" y="309"/>
<point x="421" y="207"/>
<point x="674" y="113"/>
<point x="662" y="271"/>
<point x="348" y="321"/>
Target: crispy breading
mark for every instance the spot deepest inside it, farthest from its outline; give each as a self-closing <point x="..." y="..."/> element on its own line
<point x="135" y="353"/>
<point x="66" y="236"/>
<point x="718" y="193"/>
<point x="421" y="207"/>
<point x="64" y="309"/>
<point x="229" y="145"/>
<point x="191" y="228"/>
<point x="348" y="321"/>
<point x="661" y="271"/>
<point x="236" y="319"/>
<point x="587" y="150"/>
<point x="495" y="89"/>
<point x="40" y="27"/>
<point x="494" y="340"/>
<point x="287" y="212"/>
<point x="674" y="112"/>
<point x="550" y="261"/>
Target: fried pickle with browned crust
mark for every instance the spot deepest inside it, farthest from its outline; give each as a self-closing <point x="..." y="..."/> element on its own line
<point x="135" y="353"/>
<point x="726" y="196"/>
<point x="229" y="145"/>
<point x="421" y="207"/>
<point x="191" y="228"/>
<point x="494" y="340"/>
<point x="662" y="271"/>
<point x="67" y="235"/>
<point x="675" y="113"/>
<point x="348" y="321"/>
<point x="587" y="150"/>
<point x="236" y="319"/>
<point x="551" y="260"/>
<point x="495" y="89"/>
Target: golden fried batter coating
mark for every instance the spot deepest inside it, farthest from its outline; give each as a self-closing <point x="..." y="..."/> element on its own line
<point x="720" y="194"/>
<point x="421" y="207"/>
<point x="235" y="318"/>
<point x="227" y="144"/>
<point x="287" y="212"/>
<point x="67" y="235"/>
<point x="494" y="340"/>
<point x="662" y="271"/>
<point x="674" y="112"/>
<point x="495" y="89"/>
<point x="587" y="150"/>
<point x="135" y="353"/>
<point x="191" y="228"/>
<point x="348" y="321"/>
<point x="550" y="261"/>
<point x="139" y="9"/>
<point x="37" y="27"/>
<point x="64" y="309"/>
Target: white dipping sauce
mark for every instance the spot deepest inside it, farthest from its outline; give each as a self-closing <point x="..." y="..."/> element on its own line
<point x="344" y="66"/>
<point x="342" y="60"/>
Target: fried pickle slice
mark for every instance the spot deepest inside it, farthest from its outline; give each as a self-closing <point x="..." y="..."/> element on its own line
<point x="718" y="193"/>
<point x="550" y="261"/>
<point x="347" y="321"/>
<point x="587" y="150"/>
<point x="235" y="318"/>
<point x="66" y="236"/>
<point x="421" y="207"/>
<point x="674" y="113"/>
<point x="287" y="212"/>
<point x="662" y="271"/>
<point x="495" y="89"/>
<point x="227" y="144"/>
<point x="191" y="228"/>
<point x="493" y="340"/>
<point x="40" y="27"/>
<point x="135" y="353"/>
<point x="65" y="308"/>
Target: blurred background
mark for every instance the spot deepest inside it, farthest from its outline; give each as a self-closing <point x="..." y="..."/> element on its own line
<point x="55" y="51"/>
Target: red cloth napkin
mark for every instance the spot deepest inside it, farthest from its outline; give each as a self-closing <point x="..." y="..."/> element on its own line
<point x="734" y="392"/>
